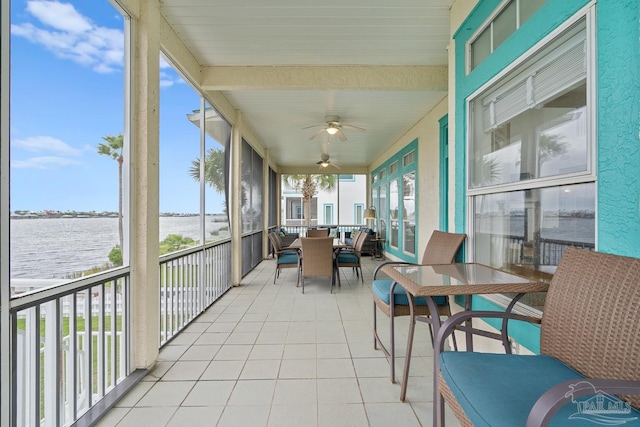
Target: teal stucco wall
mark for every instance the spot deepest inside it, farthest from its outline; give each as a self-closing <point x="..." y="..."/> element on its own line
<point x="618" y="96"/>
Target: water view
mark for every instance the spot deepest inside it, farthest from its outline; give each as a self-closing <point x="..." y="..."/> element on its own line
<point x="53" y="248"/>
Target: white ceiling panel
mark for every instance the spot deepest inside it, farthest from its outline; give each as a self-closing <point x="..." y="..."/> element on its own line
<point x="310" y="33"/>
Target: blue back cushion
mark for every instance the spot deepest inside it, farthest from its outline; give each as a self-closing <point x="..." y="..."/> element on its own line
<point x="381" y="288"/>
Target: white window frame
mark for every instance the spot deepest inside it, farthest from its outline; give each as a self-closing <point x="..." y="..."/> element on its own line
<point x="589" y="14"/>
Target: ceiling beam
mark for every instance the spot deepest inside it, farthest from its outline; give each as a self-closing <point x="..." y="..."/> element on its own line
<point x="352" y="77"/>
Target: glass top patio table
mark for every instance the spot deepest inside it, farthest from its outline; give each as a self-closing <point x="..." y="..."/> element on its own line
<point x="465" y="279"/>
<point x="459" y="279"/>
<point x="337" y="244"/>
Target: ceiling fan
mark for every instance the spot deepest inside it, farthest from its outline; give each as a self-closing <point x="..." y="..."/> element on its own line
<point x="334" y="127"/>
<point x="325" y="162"/>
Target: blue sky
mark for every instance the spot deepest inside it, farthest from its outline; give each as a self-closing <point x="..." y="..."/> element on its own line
<point x="67" y="92"/>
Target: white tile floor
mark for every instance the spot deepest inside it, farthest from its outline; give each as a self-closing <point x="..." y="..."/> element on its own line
<point x="268" y="355"/>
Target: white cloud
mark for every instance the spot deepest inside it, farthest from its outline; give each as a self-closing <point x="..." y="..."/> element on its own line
<point x="61" y="16"/>
<point x="44" y="162"/>
<point x="70" y="35"/>
<point x="39" y="144"/>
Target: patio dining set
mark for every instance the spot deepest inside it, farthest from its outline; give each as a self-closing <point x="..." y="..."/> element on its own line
<point x="589" y="362"/>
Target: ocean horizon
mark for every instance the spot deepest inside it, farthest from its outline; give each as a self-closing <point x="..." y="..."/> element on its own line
<point x="54" y="248"/>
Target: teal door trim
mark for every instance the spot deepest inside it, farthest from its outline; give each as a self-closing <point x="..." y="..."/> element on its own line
<point x="444" y="173"/>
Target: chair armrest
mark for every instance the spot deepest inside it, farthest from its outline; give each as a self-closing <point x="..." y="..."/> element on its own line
<point x="457" y="319"/>
<point x="287" y="251"/>
<point x="375" y="272"/>
<point x="556" y="397"/>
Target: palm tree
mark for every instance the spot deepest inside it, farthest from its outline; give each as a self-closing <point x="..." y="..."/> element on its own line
<point x="113" y="148"/>
<point x="213" y="169"/>
<point x="308" y="185"/>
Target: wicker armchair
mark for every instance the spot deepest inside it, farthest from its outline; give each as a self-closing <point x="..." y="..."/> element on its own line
<point x="318" y="232"/>
<point x="285" y="258"/>
<point x="352" y="258"/>
<point x="318" y="258"/>
<point x="441" y="249"/>
<point x="590" y="352"/>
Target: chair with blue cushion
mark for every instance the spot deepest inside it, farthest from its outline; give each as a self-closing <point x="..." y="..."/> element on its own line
<point x="317" y="254"/>
<point x="352" y="258"/>
<point x="285" y="258"/>
<point x="588" y="369"/>
<point x="441" y="249"/>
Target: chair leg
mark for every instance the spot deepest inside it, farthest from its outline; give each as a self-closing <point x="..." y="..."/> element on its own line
<point x="392" y="349"/>
<point x="375" y="326"/>
<point x="407" y="363"/>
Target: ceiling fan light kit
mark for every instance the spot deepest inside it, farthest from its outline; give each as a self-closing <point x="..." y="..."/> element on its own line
<point x="333" y="126"/>
<point x="324" y="162"/>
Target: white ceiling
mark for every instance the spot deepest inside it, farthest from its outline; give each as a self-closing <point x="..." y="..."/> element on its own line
<point x="301" y="35"/>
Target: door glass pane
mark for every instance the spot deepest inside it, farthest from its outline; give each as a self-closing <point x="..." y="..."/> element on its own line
<point x="384" y="211"/>
<point x="409" y="212"/>
<point x="393" y="213"/>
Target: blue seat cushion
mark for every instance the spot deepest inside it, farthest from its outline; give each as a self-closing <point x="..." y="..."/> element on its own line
<point x="499" y="390"/>
<point x="288" y="258"/>
<point x="347" y="258"/>
<point x="381" y="288"/>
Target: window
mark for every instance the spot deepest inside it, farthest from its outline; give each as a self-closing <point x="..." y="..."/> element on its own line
<point x="408" y="158"/>
<point x="531" y="175"/>
<point x="358" y="213"/>
<point x="328" y="214"/>
<point x="341" y="192"/>
<point x="189" y="128"/>
<point x="393" y="168"/>
<point x="499" y="27"/>
<point x="69" y="154"/>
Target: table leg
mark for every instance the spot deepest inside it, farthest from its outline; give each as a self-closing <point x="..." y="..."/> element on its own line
<point x="468" y="335"/>
<point x="435" y="322"/>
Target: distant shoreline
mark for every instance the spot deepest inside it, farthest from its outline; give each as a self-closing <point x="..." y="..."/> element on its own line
<point x="106" y="214"/>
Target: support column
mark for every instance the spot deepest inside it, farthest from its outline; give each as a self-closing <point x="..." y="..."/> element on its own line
<point x="236" y="201"/>
<point x="144" y="220"/>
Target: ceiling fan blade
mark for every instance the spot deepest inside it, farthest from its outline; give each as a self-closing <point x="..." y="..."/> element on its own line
<point x="314" y="126"/>
<point x="352" y="127"/>
<point x="341" y="136"/>
<point x="317" y="133"/>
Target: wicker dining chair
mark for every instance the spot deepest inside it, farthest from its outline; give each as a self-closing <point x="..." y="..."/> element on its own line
<point x="441" y="249"/>
<point x="352" y="258"/>
<point x="589" y="346"/>
<point x="318" y="258"/>
<point x="318" y="232"/>
<point x="285" y="258"/>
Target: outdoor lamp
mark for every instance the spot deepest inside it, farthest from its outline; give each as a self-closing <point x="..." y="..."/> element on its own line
<point x="370" y="213"/>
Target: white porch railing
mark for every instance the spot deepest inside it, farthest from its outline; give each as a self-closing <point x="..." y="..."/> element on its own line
<point x="70" y="343"/>
<point x="190" y="281"/>
<point x="70" y="347"/>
